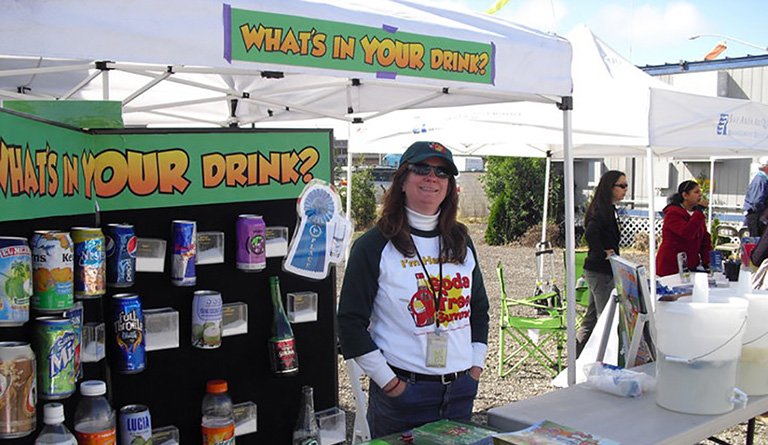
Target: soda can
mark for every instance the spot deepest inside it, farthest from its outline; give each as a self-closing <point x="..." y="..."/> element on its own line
<point x="184" y="234"/>
<point x="90" y="262"/>
<point x="54" y="343"/>
<point x="15" y="280"/>
<point x="135" y="422"/>
<point x="75" y="315"/>
<point x="19" y="391"/>
<point x="121" y="255"/>
<point x="206" y="319"/>
<point x="130" y="352"/>
<point x="53" y="271"/>
<point x="251" y="234"/>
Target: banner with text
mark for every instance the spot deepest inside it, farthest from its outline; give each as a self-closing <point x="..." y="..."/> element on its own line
<point x="257" y="36"/>
<point x="47" y="170"/>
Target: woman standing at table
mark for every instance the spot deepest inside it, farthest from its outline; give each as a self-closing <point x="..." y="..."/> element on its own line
<point x="684" y="231"/>
<point x="603" y="235"/>
<point x="413" y="311"/>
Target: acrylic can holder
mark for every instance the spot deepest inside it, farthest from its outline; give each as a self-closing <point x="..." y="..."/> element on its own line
<point x="166" y="435"/>
<point x="210" y="248"/>
<point x="276" y="241"/>
<point x="302" y="306"/>
<point x="332" y="423"/>
<point x="92" y="349"/>
<point x="150" y="255"/>
<point x="234" y="319"/>
<point x="245" y="418"/>
<point x="162" y="328"/>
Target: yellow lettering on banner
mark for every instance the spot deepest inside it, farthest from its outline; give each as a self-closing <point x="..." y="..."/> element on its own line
<point x="270" y="39"/>
<point x="89" y="165"/>
<point x="71" y="175"/>
<point x="387" y="52"/>
<point x="53" y="174"/>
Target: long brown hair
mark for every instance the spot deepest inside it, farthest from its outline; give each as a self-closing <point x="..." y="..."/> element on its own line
<point x="394" y="222"/>
<point x="602" y="198"/>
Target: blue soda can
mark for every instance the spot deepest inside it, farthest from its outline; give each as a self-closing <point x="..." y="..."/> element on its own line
<point x="121" y="255"/>
<point x="89" y="262"/>
<point x="130" y="353"/>
<point x="15" y="280"/>
<point x="135" y="422"/>
<point x="75" y="316"/>
<point x="184" y="235"/>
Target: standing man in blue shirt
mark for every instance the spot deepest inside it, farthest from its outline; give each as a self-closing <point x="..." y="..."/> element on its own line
<point x="756" y="199"/>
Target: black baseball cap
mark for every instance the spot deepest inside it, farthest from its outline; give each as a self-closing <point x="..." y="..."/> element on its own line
<point x="419" y="151"/>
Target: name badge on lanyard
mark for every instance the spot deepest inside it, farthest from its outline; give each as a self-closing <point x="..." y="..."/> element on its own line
<point x="437" y="350"/>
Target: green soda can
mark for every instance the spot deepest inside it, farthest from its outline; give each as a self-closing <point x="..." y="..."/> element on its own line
<point x="54" y="344"/>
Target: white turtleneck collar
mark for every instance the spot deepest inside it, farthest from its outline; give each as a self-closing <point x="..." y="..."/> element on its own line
<point x="420" y="221"/>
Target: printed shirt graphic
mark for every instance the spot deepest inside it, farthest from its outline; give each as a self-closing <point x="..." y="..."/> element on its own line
<point x="405" y="303"/>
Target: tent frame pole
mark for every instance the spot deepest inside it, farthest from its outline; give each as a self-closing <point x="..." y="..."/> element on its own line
<point x="570" y="237"/>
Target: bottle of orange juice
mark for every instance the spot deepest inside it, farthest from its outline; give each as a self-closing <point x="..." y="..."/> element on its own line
<point x="218" y="416"/>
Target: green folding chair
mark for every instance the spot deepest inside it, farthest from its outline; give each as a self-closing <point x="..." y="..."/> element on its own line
<point x="524" y="338"/>
<point x="582" y="290"/>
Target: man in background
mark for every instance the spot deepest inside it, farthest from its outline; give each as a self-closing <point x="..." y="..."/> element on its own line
<point x="756" y="199"/>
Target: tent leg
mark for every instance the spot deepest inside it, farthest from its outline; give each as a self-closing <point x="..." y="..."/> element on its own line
<point x="570" y="237"/>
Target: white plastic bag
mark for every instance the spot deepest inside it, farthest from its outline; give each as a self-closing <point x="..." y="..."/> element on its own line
<point x="618" y="381"/>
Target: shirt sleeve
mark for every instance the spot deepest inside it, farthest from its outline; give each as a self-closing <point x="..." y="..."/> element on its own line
<point x="478" y="318"/>
<point x="375" y="366"/>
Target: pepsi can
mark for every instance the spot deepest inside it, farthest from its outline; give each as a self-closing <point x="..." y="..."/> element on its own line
<point x="184" y="235"/>
<point x="135" y="422"/>
<point x="251" y="231"/>
<point x="121" y="255"/>
<point x="129" y="347"/>
<point x="15" y="280"/>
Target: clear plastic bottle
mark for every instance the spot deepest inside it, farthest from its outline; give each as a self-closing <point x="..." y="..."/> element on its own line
<point x="54" y="431"/>
<point x="218" y="417"/>
<point x="94" y="417"/>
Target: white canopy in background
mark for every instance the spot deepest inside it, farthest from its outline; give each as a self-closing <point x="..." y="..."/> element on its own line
<point x="167" y="60"/>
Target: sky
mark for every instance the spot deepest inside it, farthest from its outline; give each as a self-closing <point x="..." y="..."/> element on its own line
<point x="647" y="32"/>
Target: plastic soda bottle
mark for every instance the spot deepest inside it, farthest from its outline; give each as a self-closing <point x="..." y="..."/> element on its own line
<point x="94" y="417"/>
<point x="54" y="431"/>
<point x="306" y="431"/>
<point x="218" y="416"/>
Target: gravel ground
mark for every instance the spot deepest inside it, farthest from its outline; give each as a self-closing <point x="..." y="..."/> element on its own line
<point x="530" y="381"/>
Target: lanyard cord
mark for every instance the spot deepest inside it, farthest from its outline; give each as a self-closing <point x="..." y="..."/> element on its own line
<point x="435" y="294"/>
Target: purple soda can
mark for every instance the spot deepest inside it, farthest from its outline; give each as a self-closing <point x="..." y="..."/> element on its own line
<point x="121" y="255"/>
<point x="251" y="242"/>
<point x="15" y="280"/>
<point x="128" y="318"/>
<point x="184" y="235"/>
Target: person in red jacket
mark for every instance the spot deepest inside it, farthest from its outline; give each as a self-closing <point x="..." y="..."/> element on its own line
<point x="684" y="230"/>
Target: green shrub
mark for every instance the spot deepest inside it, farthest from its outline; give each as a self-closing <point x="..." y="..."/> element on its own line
<point x="363" y="199"/>
<point x="515" y="188"/>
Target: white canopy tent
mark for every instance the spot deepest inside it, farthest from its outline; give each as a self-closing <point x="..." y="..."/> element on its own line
<point x="250" y="61"/>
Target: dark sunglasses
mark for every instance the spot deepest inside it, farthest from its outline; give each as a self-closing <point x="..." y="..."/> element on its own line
<point x="622" y="186"/>
<point x="424" y="169"/>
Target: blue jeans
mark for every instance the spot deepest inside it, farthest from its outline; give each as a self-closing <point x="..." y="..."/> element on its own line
<point x="421" y="402"/>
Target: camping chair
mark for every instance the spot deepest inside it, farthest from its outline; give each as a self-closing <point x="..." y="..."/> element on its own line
<point x="727" y="240"/>
<point x="529" y="337"/>
<point x="582" y="290"/>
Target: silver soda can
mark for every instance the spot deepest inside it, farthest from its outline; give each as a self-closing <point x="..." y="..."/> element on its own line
<point x="206" y="319"/>
<point x="18" y="394"/>
<point x="90" y="262"/>
<point x="53" y="270"/>
<point x="251" y="232"/>
<point x="15" y="280"/>
<point x="184" y="236"/>
<point x="135" y="422"/>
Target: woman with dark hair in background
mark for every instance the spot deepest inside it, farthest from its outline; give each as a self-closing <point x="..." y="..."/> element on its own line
<point x="684" y="230"/>
<point x="603" y="235"/>
<point x="413" y="311"/>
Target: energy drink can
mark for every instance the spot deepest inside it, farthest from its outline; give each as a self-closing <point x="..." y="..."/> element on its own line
<point x="251" y="234"/>
<point x="54" y="341"/>
<point x="135" y="422"/>
<point x="90" y="262"/>
<point x="121" y="255"/>
<point x="19" y="394"/>
<point x="15" y="280"/>
<point x="206" y="319"/>
<point x="53" y="271"/>
<point x="75" y="315"/>
<point x="184" y="234"/>
<point x="130" y="353"/>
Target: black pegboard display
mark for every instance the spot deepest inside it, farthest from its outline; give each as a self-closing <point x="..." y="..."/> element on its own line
<point x="173" y="383"/>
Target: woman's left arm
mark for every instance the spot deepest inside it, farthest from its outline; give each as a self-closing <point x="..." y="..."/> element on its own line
<point x="478" y="318"/>
<point x="706" y="246"/>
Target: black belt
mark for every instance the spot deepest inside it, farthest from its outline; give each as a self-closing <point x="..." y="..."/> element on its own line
<point x="415" y="376"/>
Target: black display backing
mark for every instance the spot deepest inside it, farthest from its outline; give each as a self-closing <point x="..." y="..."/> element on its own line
<point x="173" y="383"/>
